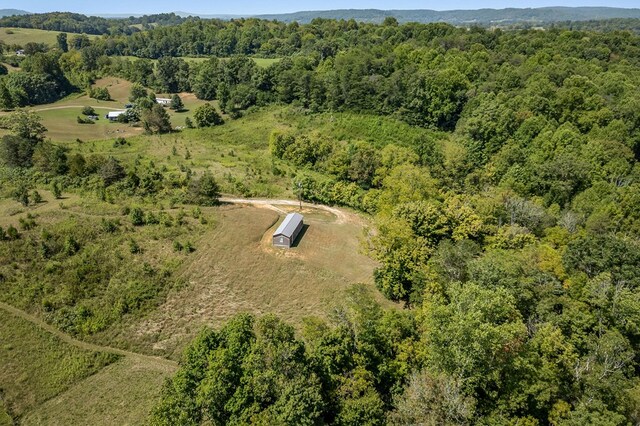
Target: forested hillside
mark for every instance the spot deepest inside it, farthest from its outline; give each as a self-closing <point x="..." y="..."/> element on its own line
<point x="500" y="169"/>
<point x="78" y="23"/>
<point x="501" y="17"/>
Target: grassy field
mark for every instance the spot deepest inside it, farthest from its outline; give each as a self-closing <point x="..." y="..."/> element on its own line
<point x="36" y="366"/>
<point x="60" y="118"/>
<point x="235" y="269"/>
<point x="122" y="393"/>
<point x="237" y="151"/>
<point x="22" y="36"/>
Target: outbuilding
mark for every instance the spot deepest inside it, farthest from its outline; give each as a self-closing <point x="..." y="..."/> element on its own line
<point x="163" y="101"/>
<point x="288" y="230"/>
<point x="113" y="115"/>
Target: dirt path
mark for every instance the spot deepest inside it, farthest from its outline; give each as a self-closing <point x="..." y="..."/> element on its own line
<point x="157" y="361"/>
<point x="76" y="106"/>
<point x="341" y="216"/>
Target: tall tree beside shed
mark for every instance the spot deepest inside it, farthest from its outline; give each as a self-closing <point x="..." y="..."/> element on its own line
<point x="176" y="103"/>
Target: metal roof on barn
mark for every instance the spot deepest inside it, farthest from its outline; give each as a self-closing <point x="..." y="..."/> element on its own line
<point x="289" y="225"/>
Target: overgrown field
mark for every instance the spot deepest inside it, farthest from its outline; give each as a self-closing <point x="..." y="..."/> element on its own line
<point x="121" y="393"/>
<point x="36" y="366"/>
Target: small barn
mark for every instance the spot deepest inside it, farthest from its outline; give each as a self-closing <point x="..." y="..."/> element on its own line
<point x="164" y="101"/>
<point x="288" y="230"/>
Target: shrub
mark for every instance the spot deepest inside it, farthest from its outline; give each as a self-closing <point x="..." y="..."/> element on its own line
<point x="12" y="233"/>
<point x="100" y="93"/>
<point x="56" y="189"/>
<point x="134" y="247"/>
<point x="71" y="246"/>
<point x="119" y="142"/>
<point x="88" y="110"/>
<point x="37" y="198"/>
<point x="21" y="194"/>
<point x="111" y="171"/>
<point x="137" y="216"/>
<point x="81" y="120"/>
<point x="207" y="116"/>
<point x="205" y="190"/>
<point x="27" y="223"/>
<point x="109" y="225"/>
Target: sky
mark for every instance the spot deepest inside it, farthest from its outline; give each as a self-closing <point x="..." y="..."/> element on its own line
<point x="250" y="7"/>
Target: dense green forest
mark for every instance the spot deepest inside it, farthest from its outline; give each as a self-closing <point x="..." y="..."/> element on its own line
<point x="78" y="23"/>
<point x="500" y="167"/>
<point x="619" y="24"/>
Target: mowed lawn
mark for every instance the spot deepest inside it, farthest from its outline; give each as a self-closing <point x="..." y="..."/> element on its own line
<point x="235" y="269"/>
<point x="62" y="125"/>
<point x="22" y="36"/>
<point x="36" y="365"/>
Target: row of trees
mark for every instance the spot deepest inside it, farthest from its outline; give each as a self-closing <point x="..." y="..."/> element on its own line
<point x="77" y="23"/>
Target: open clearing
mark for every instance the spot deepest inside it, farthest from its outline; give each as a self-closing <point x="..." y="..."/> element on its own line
<point x="235" y="269"/>
<point x="44" y="370"/>
<point x="36" y="365"/>
<point x="120" y="394"/>
<point x="60" y="118"/>
<point x="22" y="36"/>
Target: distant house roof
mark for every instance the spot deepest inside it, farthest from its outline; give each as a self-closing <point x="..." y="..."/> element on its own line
<point x="115" y="114"/>
<point x="289" y="225"/>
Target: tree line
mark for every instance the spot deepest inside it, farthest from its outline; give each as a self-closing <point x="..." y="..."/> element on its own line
<point x="81" y="24"/>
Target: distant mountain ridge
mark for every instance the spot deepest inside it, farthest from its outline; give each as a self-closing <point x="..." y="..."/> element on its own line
<point x="459" y="17"/>
<point x="508" y="16"/>
<point x="11" y="12"/>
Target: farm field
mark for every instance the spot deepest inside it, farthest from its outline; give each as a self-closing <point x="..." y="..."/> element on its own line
<point x="235" y="269"/>
<point x="237" y="151"/>
<point x="22" y="36"/>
